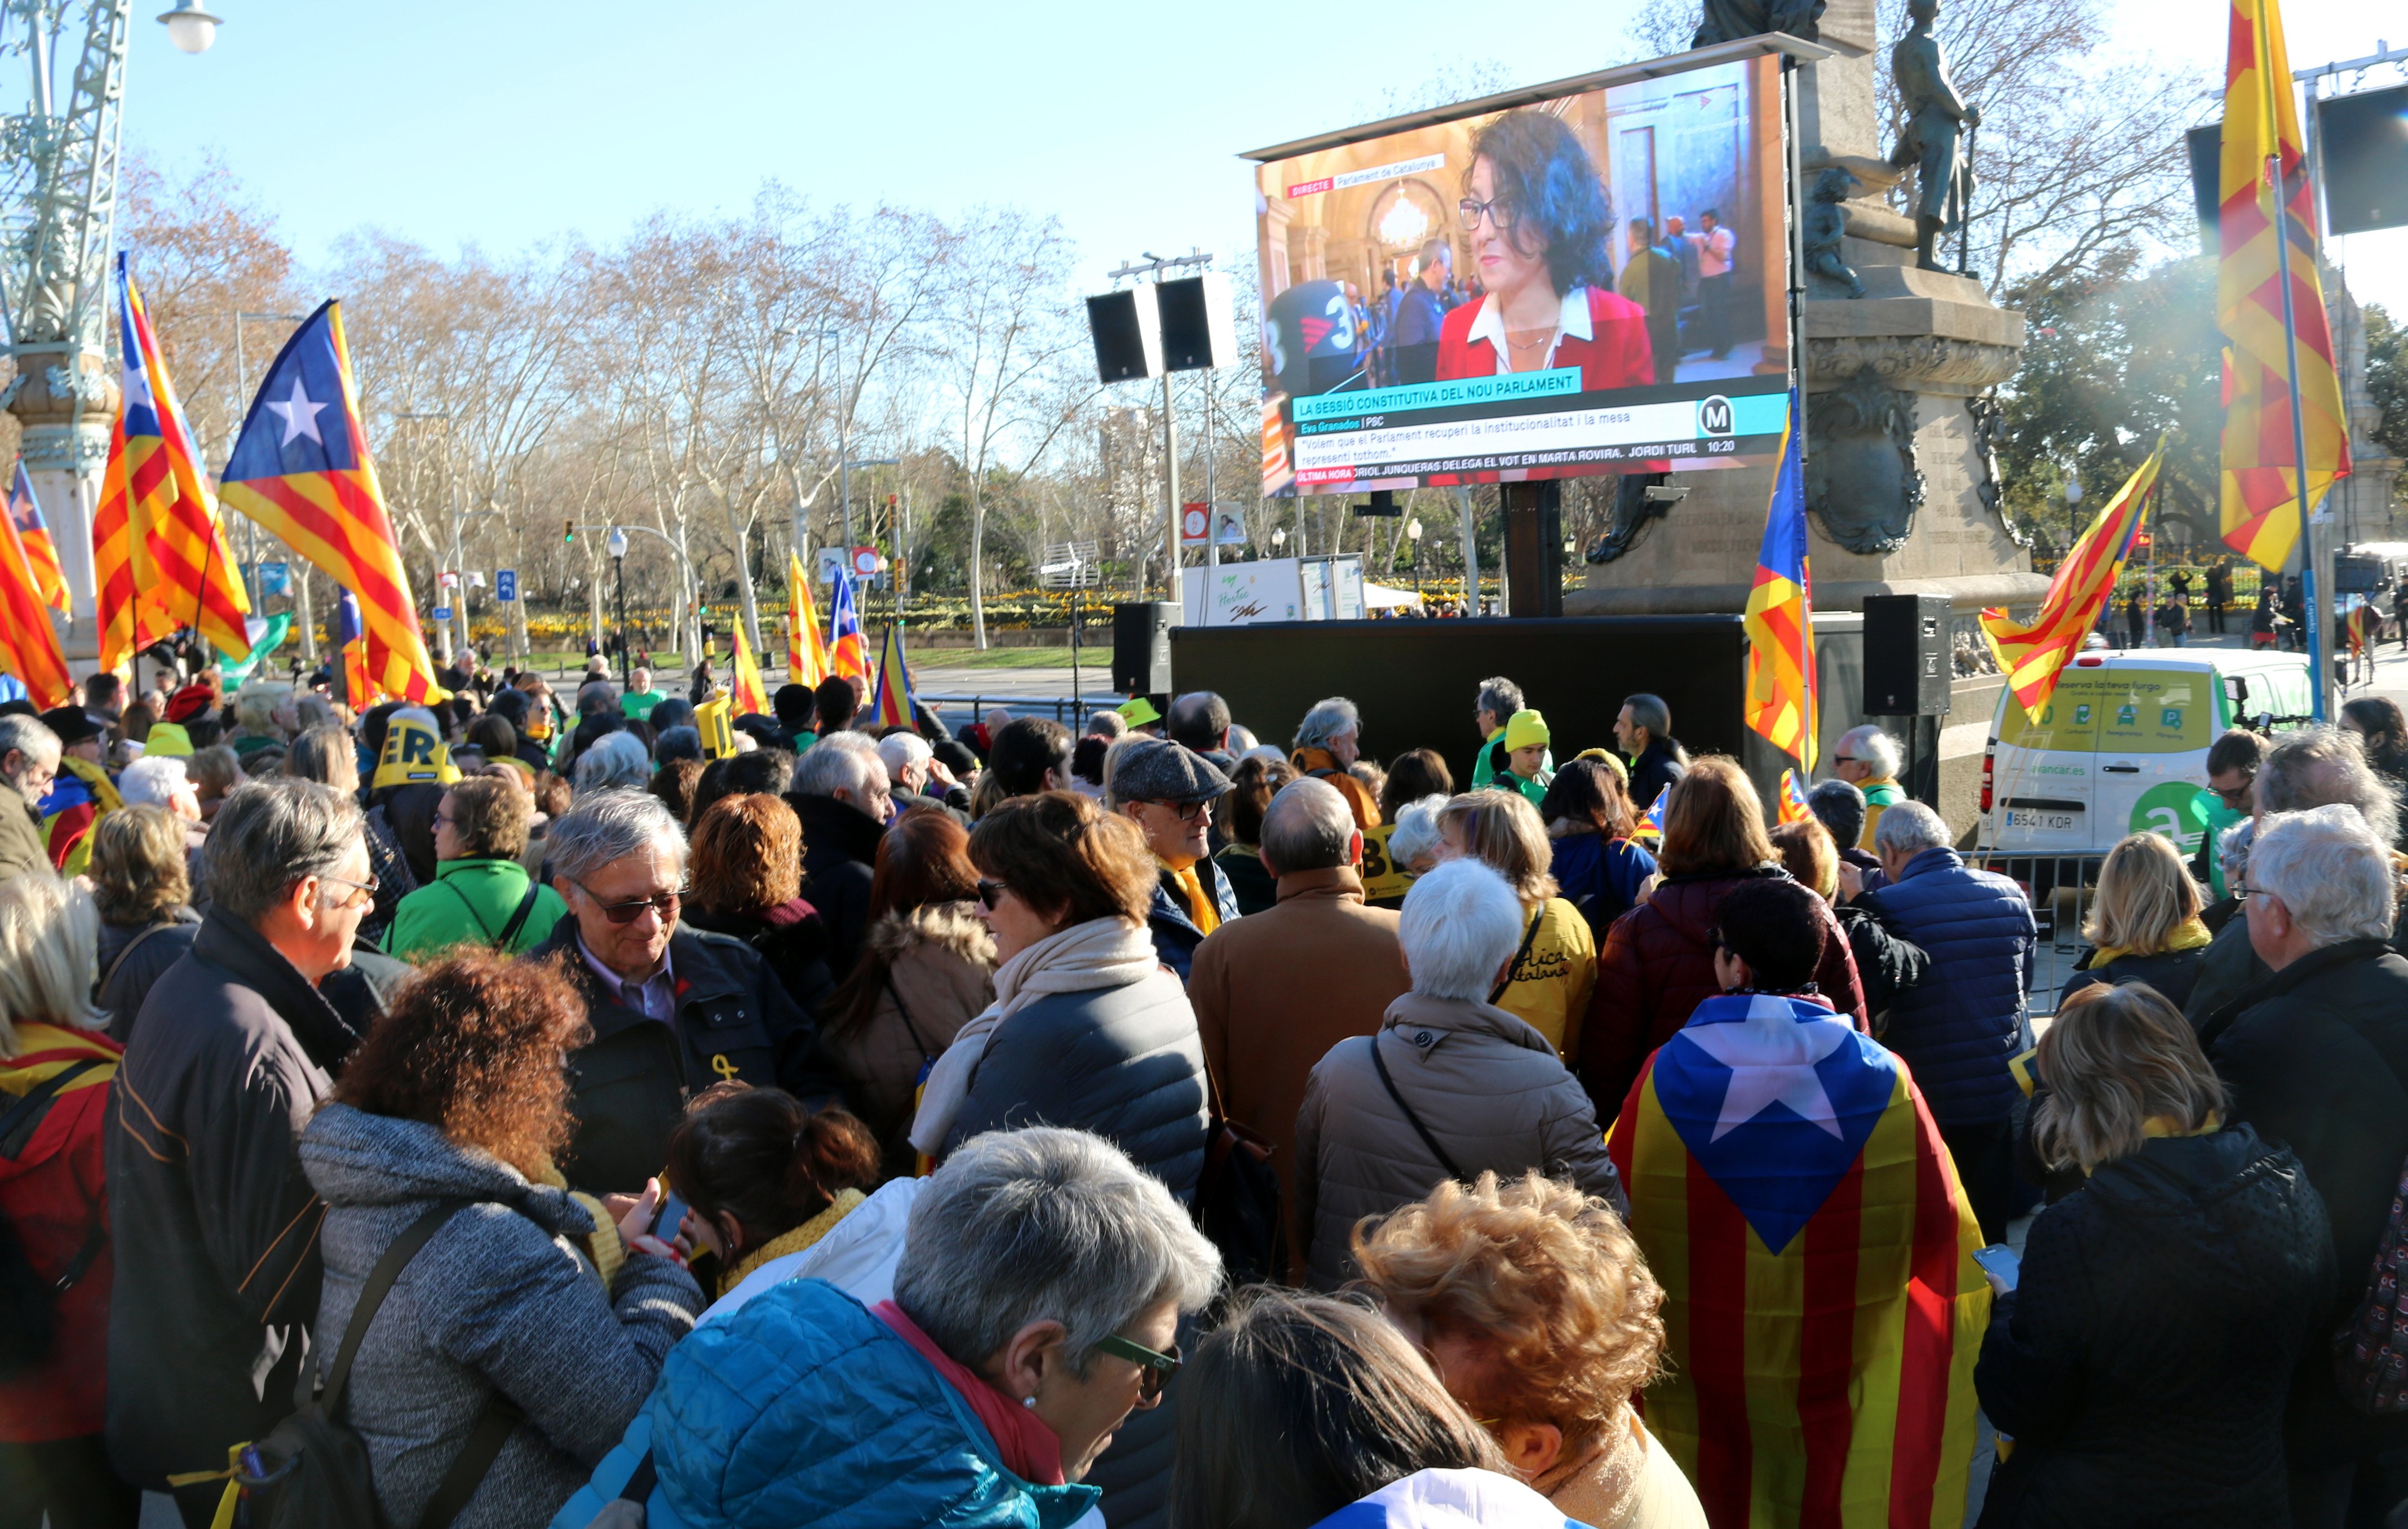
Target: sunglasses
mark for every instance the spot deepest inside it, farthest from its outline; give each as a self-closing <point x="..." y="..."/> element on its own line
<point x="1153" y="1370"/>
<point x="1188" y="811"/>
<point x="991" y="893"/>
<point x="628" y="912"/>
<point x="1844" y="759"/>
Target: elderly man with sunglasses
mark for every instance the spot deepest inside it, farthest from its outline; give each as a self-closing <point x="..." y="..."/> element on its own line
<point x="1167" y="790"/>
<point x="672" y="1010"/>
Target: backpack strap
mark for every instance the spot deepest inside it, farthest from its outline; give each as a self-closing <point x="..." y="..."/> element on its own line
<point x="27" y="1110"/>
<point x="493" y="1428"/>
<point x="474" y="917"/>
<point x="1410" y="1119"/>
<point x="131" y="946"/>
<point x="518" y="919"/>
<point x="372" y="1294"/>
<point x="1529" y="936"/>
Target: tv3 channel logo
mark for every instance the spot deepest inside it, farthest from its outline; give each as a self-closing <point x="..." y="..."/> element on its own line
<point x="1714" y="415"/>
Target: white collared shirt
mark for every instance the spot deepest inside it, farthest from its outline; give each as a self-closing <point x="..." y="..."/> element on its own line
<point x="1571" y="323"/>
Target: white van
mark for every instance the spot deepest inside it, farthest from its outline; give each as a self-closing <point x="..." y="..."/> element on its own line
<point x="2121" y="747"/>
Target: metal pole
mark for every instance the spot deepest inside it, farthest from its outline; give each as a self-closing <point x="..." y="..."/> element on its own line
<point x="625" y="678"/>
<point x="2320" y="671"/>
<point x="1173" y="590"/>
<point x="844" y="442"/>
<point x="1211" y="503"/>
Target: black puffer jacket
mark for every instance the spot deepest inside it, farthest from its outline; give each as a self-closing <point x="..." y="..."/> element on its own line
<point x="2141" y="1364"/>
<point x="2173" y="973"/>
<point x="2317" y="1057"/>
<point x="840" y="857"/>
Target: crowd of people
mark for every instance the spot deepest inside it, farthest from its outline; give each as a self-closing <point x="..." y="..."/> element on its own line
<point x="501" y="1112"/>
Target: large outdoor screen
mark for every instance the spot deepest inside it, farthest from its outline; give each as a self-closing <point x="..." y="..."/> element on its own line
<point x="1593" y="283"/>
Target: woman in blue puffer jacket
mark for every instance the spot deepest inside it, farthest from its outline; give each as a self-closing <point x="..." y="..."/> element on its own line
<point x="1042" y="1279"/>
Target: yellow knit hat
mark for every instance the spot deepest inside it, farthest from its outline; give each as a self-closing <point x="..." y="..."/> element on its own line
<point x="1524" y="730"/>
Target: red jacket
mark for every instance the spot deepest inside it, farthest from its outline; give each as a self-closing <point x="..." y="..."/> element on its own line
<point x="1617" y="354"/>
<point x="1657" y="968"/>
<point x="52" y="1192"/>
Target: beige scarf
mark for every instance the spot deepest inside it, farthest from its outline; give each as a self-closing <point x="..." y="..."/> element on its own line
<point x="1098" y="953"/>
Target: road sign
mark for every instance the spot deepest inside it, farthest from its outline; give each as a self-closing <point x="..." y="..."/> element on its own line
<point x="447" y="579"/>
<point x="505" y="583"/>
<point x="865" y="562"/>
<point x="442" y="613"/>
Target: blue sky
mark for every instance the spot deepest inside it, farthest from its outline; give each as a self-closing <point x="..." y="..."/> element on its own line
<point x="505" y="122"/>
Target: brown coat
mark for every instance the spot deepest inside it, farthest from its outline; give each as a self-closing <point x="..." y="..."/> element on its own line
<point x="922" y="976"/>
<point x="1274" y="991"/>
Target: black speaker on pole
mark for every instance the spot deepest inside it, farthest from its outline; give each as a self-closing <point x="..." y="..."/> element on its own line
<point x="1126" y="328"/>
<point x="1908" y="665"/>
<point x="1199" y="322"/>
<point x="1141" y="646"/>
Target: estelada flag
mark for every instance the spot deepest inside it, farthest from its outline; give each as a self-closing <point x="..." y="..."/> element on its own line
<point x="848" y="655"/>
<point x="351" y="637"/>
<point x="34" y="534"/>
<point x="807" y="652"/>
<point x="184" y="575"/>
<point x="1822" y="1309"/>
<point x="112" y="562"/>
<point x="1780" y="620"/>
<point x="301" y="469"/>
<point x="1651" y="827"/>
<point x="1792" y="806"/>
<point x="2260" y="499"/>
<point x="29" y="644"/>
<point x="748" y="698"/>
<point x="2032" y="655"/>
<point x="891" y="698"/>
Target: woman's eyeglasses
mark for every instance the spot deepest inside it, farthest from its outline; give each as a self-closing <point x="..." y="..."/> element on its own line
<point x="991" y="893"/>
<point x="665" y="903"/>
<point x="1153" y="1370"/>
<point x="1499" y="213"/>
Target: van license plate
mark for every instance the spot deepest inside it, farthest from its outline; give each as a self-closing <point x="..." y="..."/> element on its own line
<point x="2046" y="822"/>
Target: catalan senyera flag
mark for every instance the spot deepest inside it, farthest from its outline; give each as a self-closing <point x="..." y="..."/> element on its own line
<point x="34" y="534"/>
<point x="2261" y="491"/>
<point x="1822" y="1309"/>
<point x="2032" y="655"/>
<point x="301" y="468"/>
<point x="351" y="637"/>
<point x="890" y="696"/>
<point x="1791" y="807"/>
<point x="1780" y="614"/>
<point x="183" y="575"/>
<point x="848" y="654"/>
<point x="29" y="644"/>
<point x="120" y="619"/>
<point x="806" y="652"/>
<point x="744" y="679"/>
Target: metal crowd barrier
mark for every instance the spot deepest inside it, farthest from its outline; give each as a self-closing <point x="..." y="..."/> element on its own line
<point x="2061" y="889"/>
<point x="1065" y="709"/>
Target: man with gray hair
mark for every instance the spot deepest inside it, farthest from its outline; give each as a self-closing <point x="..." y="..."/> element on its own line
<point x="1963" y="1024"/>
<point x="912" y="766"/>
<point x="842" y="795"/>
<point x="1328" y="743"/>
<point x="616" y="762"/>
<point x="672" y="1009"/>
<point x="1449" y="1086"/>
<point x="29" y="762"/>
<point x="1868" y="759"/>
<point x="236" y="1046"/>
<point x="2316" y="1056"/>
<point x="1274" y="991"/>
<point x="2316" y="767"/>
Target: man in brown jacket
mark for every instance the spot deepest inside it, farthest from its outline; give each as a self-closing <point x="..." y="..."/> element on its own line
<point x="1273" y="993"/>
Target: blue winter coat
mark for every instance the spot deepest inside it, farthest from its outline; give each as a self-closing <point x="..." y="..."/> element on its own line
<point x="804" y="1409"/>
<point x="1960" y="1026"/>
<point x="1175" y="933"/>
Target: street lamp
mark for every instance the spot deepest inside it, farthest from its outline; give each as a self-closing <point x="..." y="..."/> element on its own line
<point x="1413" y="534"/>
<point x="618" y="546"/>
<point x="191" y="28"/>
<point x="2072" y="512"/>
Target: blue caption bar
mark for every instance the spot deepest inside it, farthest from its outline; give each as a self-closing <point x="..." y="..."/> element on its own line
<point x="1562" y="382"/>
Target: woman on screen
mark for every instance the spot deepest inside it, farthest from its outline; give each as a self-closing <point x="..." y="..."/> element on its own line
<point x="1538" y="219"/>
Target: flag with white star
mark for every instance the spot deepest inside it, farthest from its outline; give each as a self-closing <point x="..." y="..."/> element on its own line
<point x="301" y="468"/>
<point x="1821" y="1303"/>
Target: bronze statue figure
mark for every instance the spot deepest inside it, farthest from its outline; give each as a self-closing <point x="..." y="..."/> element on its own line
<point x="1938" y="122"/>
<point x="1728" y="21"/>
<point x="1827" y="223"/>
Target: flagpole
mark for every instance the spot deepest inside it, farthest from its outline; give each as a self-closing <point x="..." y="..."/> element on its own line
<point x="2320" y="671"/>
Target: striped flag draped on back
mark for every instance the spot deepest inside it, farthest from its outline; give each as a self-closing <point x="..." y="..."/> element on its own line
<point x="301" y="469"/>
<point x="2260" y="499"/>
<point x="1822" y="1310"/>
<point x="2032" y="655"/>
<point x="1780" y="614"/>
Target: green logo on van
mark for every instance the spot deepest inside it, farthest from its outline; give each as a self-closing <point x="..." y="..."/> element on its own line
<point x="2176" y="810"/>
<point x="2169" y="717"/>
<point x="2082" y="715"/>
<point x="2127" y="715"/>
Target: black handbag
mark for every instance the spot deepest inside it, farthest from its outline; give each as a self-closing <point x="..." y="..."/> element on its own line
<point x="1236" y="1203"/>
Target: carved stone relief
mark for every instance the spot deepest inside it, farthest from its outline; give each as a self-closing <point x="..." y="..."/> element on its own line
<point x="1862" y="481"/>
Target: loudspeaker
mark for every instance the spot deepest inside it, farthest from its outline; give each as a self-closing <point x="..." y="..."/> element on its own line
<point x="1141" y="646"/>
<point x="1127" y="330"/>
<point x="1908" y="662"/>
<point x="1199" y="324"/>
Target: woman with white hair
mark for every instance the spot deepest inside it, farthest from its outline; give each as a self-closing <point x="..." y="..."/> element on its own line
<point x="56" y="1072"/>
<point x="1449" y="1088"/>
<point x="1042" y="1279"/>
<point x="2316" y="1058"/>
<point x="617" y="762"/>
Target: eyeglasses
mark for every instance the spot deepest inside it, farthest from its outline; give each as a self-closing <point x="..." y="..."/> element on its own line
<point x="1844" y="759"/>
<point x="2234" y="795"/>
<point x="1498" y="211"/>
<point x="991" y="893"/>
<point x="1188" y="811"/>
<point x="665" y="903"/>
<point x="1154" y="1370"/>
<point x="2254" y="891"/>
<point x="359" y="889"/>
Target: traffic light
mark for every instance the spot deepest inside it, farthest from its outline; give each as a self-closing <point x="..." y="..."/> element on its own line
<point x="567" y="532"/>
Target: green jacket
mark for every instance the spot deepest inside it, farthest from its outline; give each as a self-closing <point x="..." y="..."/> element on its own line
<point x="471" y="903"/>
<point x="1535" y="792"/>
<point x="1490" y="763"/>
<point x="639" y="704"/>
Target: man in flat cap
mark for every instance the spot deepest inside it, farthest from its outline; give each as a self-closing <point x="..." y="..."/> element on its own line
<point x="81" y="794"/>
<point x="1167" y="790"/>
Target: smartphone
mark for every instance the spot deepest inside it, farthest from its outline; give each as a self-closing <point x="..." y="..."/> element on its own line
<point x="670" y="1216"/>
<point x="1999" y="1260"/>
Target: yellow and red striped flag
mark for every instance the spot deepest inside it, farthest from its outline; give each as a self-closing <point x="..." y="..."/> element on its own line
<point x="2032" y="655"/>
<point x="807" y="653"/>
<point x="112" y="564"/>
<point x="2261" y="489"/>
<point x="34" y="533"/>
<point x="301" y="469"/>
<point x="744" y="679"/>
<point x="1780" y="614"/>
<point x="1822" y="1309"/>
<point x="182" y="572"/>
<point x="29" y="645"/>
<point x="891" y="699"/>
